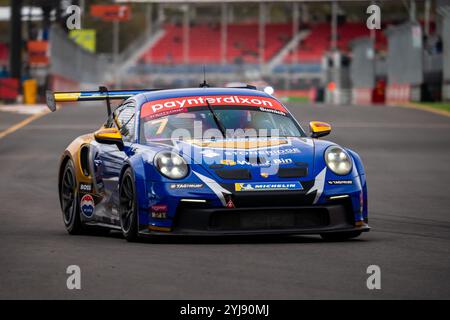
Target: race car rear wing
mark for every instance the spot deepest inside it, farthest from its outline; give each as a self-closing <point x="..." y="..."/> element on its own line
<point x="102" y="94"/>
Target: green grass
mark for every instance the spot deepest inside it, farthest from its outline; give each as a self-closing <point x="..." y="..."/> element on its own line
<point x="437" y="105"/>
<point x="297" y="99"/>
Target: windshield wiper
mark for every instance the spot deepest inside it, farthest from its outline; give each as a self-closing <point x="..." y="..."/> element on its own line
<point x="216" y="120"/>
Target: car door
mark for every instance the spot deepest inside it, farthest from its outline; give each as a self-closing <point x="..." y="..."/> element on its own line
<point x="108" y="160"/>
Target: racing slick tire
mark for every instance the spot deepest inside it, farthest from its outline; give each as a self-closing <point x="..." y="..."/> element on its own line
<point x="340" y="236"/>
<point x="128" y="206"/>
<point x="68" y="196"/>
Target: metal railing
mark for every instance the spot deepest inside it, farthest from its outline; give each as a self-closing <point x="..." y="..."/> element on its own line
<point x="72" y="62"/>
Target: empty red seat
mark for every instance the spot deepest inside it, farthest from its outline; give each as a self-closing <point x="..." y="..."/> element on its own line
<point x="204" y="43"/>
<point x="312" y="48"/>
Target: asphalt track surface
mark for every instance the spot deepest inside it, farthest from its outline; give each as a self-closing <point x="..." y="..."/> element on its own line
<point x="407" y="158"/>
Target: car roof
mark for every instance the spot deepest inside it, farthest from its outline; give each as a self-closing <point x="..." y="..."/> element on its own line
<point x="189" y="92"/>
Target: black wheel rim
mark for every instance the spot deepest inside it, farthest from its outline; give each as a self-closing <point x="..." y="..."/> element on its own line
<point x="126" y="204"/>
<point x="68" y="195"/>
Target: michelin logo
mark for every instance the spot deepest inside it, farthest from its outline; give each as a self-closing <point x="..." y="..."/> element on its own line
<point x="268" y="186"/>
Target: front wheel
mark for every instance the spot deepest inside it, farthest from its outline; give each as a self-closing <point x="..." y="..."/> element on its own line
<point x="340" y="236"/>
<point x="128" y="206"/>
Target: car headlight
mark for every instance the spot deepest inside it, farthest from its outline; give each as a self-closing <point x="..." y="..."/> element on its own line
<point x="171" y="165"/>
<point x="338" y="160"/>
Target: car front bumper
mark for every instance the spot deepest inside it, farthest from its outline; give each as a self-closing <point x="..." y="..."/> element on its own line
<point x="313" y="219"/>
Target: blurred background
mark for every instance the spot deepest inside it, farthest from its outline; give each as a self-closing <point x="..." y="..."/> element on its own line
<point x="316" y="51"/>
<point x="318" y="56"/>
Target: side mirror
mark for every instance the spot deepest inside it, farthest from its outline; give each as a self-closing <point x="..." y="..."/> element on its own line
<point x="109" y="136"/>
<point x="319" y="129"/>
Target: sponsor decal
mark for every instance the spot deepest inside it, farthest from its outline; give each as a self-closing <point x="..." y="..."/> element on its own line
<point x="272" y="111"/>
<point x="275" y="161"/>
<point x="228" y="162"/>
<point x="264" y="174"/>
<point x="230" y="204"/>
<point x="87" y="205"/>
<point x="186" y="185"/>
<point x="244" y="144"/>
<point x="340" y="182"/>
<point x="210" y="154"/>
<point x="85" y="187"/>
<point x="159" y="211"/>
<point x="268" y="186"/>
<point x="159" y="108"/>
<point x="159" y="207"/>
<point x="267" y="152"/>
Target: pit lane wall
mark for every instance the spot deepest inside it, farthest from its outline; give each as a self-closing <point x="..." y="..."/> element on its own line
<point x="71" y="67"/>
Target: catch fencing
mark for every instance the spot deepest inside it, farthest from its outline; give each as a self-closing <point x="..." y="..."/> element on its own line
<point x="404" y="62"/>
<point x="362" y="70"/>
<point x="72" y="67"/>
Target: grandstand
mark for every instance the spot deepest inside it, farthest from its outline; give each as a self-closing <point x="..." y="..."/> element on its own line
<point x="242" y="45"/>
<point x="306" y="48"/>
<point x="250" y="49"/>
<point x="313" y="47"/>
<point x="204" y="44"/>
<point x="288" y="53"/>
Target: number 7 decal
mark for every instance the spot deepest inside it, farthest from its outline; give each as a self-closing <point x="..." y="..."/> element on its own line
<point x="163" y="123"/>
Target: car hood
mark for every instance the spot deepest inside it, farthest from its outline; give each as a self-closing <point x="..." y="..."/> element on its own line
<point x="257" y="159"/>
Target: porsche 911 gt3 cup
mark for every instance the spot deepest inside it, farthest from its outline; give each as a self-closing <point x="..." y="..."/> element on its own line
<point x="208" y="161"/>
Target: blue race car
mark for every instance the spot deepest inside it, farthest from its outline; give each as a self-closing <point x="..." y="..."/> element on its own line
<point x="208" y="161"/>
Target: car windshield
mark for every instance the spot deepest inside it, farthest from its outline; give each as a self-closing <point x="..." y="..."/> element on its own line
<point x="205" y="123"/>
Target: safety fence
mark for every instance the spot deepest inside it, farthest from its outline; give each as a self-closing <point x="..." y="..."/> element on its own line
<point x="362" y="70"/>
<point x="404" y="62"/>
<point x="72" y="67"/>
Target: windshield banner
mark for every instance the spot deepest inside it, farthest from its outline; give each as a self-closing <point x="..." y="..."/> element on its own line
<point x="160" y="108"/>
